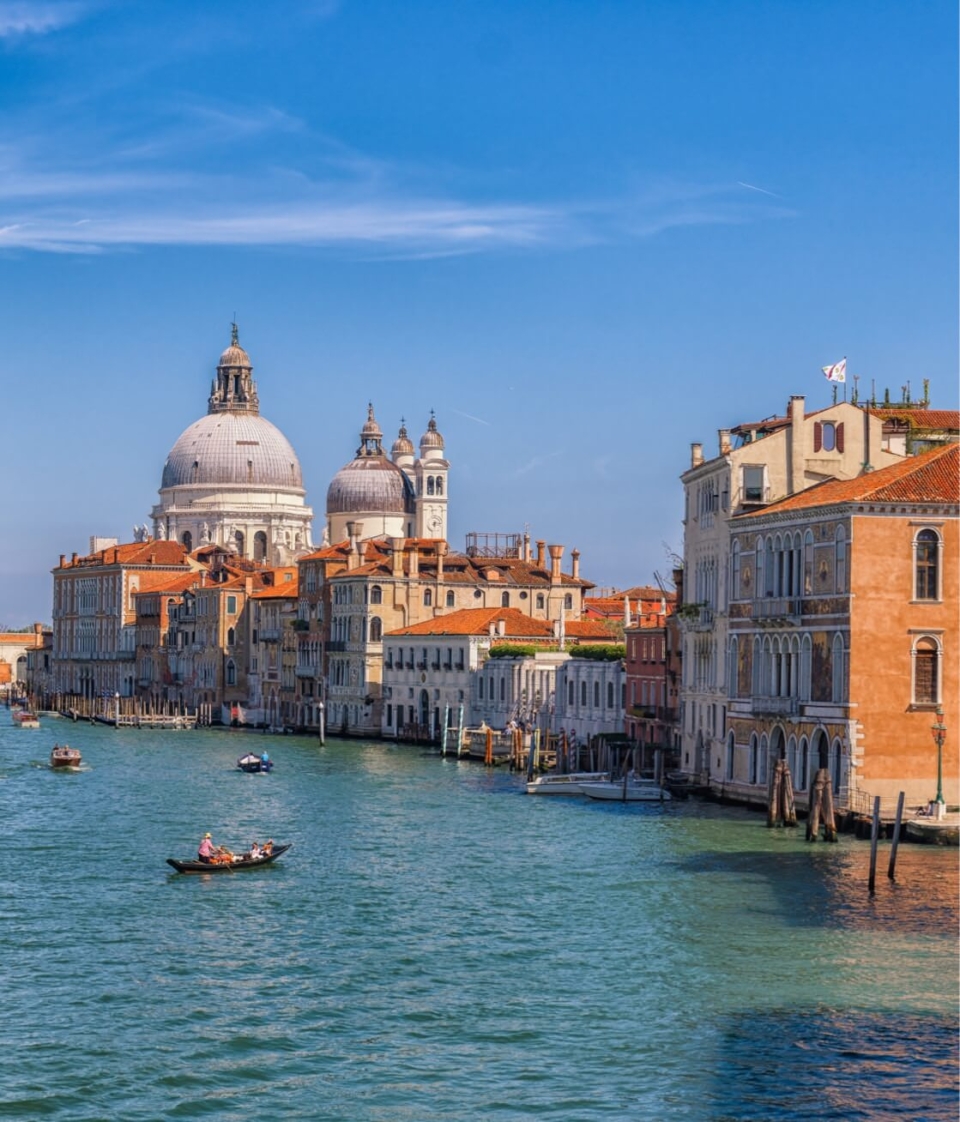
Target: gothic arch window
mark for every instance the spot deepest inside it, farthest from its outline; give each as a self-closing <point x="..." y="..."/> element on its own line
<point x="186" y="540"/>
<point x="926" y="671"/>
<point x="732" y="666"/>
<point x="260" y="546"/>
<point x="231" y="636"/>
<point x="803" y="765"/>
<point x="754" y="758"/>
<point x="764" y="749"/>
<point x="757" y="668"/>
<point x="808" y="563"/>
<point x="231" y="672"/>
<point x="735" y="572"/>
<point x="838" y="667"/>
<point x="840" y="557"/>
<point x="792" y="757"/>
<point x="926" y="550"/>
<point x="504" y="599"/>
<point x="836" y="765"/>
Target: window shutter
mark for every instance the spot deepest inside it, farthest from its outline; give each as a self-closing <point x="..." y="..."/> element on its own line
<point x="840" y="437"/>
<point x="817" y="436"/>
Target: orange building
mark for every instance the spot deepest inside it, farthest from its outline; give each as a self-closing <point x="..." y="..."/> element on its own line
<point x="843" y="636"/>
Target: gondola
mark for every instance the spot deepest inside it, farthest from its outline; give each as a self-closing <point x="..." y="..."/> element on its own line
<point x="227" y="866"/>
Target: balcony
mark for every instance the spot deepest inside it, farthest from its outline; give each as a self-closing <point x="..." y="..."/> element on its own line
<point x="775" y="706"/>
<point x="777" y="609"/>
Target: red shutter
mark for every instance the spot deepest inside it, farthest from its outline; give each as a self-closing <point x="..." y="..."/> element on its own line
<point x="817" y="436"/>
<point x="840" y="437"/>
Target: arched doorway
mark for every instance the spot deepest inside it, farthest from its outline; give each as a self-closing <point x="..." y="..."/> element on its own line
<point x="820" y="749"/>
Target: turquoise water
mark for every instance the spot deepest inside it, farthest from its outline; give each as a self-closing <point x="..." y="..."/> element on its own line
<point x="438" y="945"/>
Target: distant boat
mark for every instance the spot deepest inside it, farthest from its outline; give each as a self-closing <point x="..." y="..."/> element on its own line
<point x="631" y="790"/>
<point x="65" y="756"/>
<point x="26" y="719"/>
<point x="234" y="866"/>
<point x="570" y="784"/>
<point x="252" y="762"/>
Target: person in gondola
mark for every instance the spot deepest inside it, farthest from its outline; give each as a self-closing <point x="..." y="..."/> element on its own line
<point x="207" y="850"/>
<point x="255" y="851"/>
<point x="267" y="848"/>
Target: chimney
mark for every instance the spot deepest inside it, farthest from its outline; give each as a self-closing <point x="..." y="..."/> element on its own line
<point x="396" y="556"/>
<point x="696" y="455"/>
<point x="526" y="547"/>
<point x="556" y="554"/>
<point x="63" y="560"/>
<point x="723" y="436"/>
<point x="501" y="628"/>
<point x="353" y="556"/>
<point x="73" y="559"/>
<point x="575" y="563"/>
<point x="795" y="410"/>
<point x="151" y="560"/>
<point x="414" y="560"/>
<point x="541" y="546"/>
<point x="441" y="551"/>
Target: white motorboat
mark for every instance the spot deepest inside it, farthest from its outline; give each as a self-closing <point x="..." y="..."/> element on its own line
<point x="630" y="790"/>
<point x="570" y="784"/>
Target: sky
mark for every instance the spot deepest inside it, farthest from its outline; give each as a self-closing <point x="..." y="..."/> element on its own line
<point x="586" y="234"/>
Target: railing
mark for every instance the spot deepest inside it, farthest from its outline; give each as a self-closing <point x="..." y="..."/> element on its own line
<point x="777" y="607"/>
<point x="776" y="706"/>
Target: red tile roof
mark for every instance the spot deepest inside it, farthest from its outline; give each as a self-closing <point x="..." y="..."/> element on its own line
<point x="932" y="477"/>
<point x="929" y="419"/>
<point x="134" y="553"/>
<point x="477" y="621"/>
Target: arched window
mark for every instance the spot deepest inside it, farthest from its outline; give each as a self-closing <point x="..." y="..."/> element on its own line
<point x="503" y="688"/>
<point x="186" y="540"/>
<point x="231" y="672"/>
<point x="840" y="547"/>
<point x="769" y="570"/>
<point x="926" y="671"/>
<point x="792" y="758"/>
<point x="754" y="760"/>
<point x="927" y="565"/>
<point x="429" y="484"/>
<point x="568" y="601"/>
<point x="733" y="662"/>
<point x="376" y="594"/>
<point x="540" y="601"/>
<point x="427" y="598"/>
<point x="231" y="636"/>
<point x="451" y="599"/>
<point x="596" y="695"/>
<point x="808" y="563"/>
<point x="764" y="751"/>
<point x="439" y="484"/>
<point x="376" y="629"/>
<point x="570" y="692"/>
<point x="504" y="599"/>
<point x="735" y="572"/>
<point x="803" y="764"/>
<point x="583" y="694"/>
<point x="836" y="765"/>
<point x="260" y="546"/>
<point x="238" y="541"/>
<point x="609" y="695"/>
<point x="838" y="668"/>
<point x="731" y="745"/>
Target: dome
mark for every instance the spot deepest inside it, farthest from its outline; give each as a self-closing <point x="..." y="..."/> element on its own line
<point x="233" y="448"/>
<point x="371" y="430"/>
<point x="403" y="445"/>
<point x="370" y="483"/>
<point x="235" y="355"/>
<point x="431" y="438"/>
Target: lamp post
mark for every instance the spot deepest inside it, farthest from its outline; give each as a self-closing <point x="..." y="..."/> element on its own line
<point x="939" y="732"/>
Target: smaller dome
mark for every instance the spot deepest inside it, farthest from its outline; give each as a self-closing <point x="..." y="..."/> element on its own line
<point x="403" y="445"/>
<point x="371" y="430"/>
<point x="235" y="355"/>
<point x="431" y="438"/>
<point x="370" y="484"/>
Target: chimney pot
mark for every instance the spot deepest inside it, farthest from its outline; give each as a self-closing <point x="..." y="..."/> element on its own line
<point x="696" y="455"/>
<point x="541" y="546"/>
<point x="724" y="441"/>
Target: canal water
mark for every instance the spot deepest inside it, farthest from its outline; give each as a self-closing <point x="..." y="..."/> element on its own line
<point x="438" y="945"/>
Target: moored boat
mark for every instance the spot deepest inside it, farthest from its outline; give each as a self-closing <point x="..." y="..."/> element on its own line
<point x="251" y="762"/>
<point x="570" y="784"/>
<point x="26" y="719"/>
<point x="232" y="865"/>
<point x="631" y="790"/>
<point x="65" y="756"/>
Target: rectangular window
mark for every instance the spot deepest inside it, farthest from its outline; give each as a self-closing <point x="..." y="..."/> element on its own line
<point x="231" y="605"/>
<point x="925" y="690"/>
<point x="753" y="484"/>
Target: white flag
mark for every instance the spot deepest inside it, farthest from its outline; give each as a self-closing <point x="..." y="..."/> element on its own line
<point x="837" y="372"/>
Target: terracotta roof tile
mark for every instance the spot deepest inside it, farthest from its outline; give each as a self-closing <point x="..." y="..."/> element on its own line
<point x="477" y="621"/>
<point x="932" y="477"/>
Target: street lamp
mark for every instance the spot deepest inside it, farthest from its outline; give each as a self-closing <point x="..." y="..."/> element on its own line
<point x="939" y="732"/>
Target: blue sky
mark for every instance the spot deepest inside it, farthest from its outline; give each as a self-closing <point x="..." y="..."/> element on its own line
<point x="586" y="234"/>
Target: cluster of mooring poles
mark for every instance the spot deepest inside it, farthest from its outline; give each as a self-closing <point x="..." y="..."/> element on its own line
<point x="781" y="810"/>
<point x="821" y="808"/>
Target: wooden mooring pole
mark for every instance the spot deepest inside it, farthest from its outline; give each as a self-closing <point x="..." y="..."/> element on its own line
<point x="874" y="835"/>
<point x="896" y="837"/>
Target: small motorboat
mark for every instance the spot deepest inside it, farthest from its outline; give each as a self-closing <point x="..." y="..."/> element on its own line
<point x="569" y="784"/>
<point x="26" y="719"/>
<point x="229" y="865"/>
<point x="628" y="790"/>
<point x="65" y="756"/>
<point x="252" y="762"/>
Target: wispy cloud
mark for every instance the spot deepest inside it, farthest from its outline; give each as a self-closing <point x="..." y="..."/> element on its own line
<point x="761" y="190"/>
<point x="470" y="417"/>
<point x="22" y="17"/>
<point x="536" y="462"/>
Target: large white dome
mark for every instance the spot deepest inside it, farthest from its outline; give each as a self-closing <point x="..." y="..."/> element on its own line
<point x="233" y="448"/>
